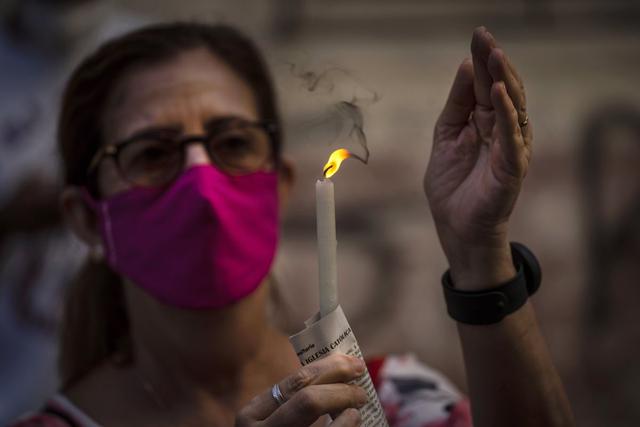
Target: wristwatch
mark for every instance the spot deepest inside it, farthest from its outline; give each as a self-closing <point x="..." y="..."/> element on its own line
<point x="489" y="306"/>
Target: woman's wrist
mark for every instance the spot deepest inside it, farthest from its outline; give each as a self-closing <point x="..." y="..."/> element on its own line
<point x="478" y="268"/>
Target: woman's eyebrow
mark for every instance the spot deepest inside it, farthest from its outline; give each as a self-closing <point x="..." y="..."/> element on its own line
<point x="217" y="122"/>
<point x="153" y="131"/>
<point x="209" y="125"/>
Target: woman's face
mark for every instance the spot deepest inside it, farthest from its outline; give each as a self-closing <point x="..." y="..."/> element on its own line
<point x="185" y="93"/>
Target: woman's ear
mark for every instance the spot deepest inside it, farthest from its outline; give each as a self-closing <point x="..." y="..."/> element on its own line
<point x="286" y="179"/>
<point x="81" y="218"/>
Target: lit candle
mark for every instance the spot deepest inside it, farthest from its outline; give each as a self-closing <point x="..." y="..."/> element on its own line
<point x="326" y="227"/>
<point x="327" y="246"/>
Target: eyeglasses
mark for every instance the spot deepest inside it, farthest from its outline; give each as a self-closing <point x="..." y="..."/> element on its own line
<point x="156" y="158"/>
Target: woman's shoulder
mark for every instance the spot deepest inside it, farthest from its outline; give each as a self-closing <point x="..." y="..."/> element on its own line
<point x="415" y="395"/>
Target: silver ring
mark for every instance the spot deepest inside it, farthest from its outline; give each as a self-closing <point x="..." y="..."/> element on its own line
<point x="277" y="394"/>
<point x="525" y="121"/>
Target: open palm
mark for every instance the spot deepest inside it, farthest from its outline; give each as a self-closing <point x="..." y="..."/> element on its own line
<point x="481" y="151"/>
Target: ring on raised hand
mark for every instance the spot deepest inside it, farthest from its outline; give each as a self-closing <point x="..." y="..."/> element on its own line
<point x="524" y="122"/>
<point x="277" y="394"/>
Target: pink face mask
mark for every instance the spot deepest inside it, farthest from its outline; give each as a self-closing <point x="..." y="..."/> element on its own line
<point x="205" y="242"/>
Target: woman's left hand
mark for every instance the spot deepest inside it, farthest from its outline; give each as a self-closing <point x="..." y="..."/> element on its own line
<point x="480" y="156"/>
<point x="317" y="389"/>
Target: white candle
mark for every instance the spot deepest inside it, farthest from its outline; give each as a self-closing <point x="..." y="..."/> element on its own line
<point x="327" y="246"/>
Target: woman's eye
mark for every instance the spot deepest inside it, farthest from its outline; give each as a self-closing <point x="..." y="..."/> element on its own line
<point x="153" y="154"/>
<point x="234" y="146"/>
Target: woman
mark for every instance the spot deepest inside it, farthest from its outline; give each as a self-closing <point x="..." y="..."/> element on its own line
<point x="171" y="146"/>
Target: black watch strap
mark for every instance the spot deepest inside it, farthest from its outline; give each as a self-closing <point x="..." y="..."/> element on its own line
<point x="492" y="305"/>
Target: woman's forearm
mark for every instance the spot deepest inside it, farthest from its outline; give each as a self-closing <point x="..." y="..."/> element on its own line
<point x="512" y="380"/>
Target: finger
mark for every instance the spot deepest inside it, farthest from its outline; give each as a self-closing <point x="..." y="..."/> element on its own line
<point x="348" y="418"/>
<point x="481" y="44"/>
<point x="514" y="71"/>
<point x="335" y="368"/>
<point x="461" y="99"/>
<point x="501" y="70"/>
<point x="313" y="401"/>
<point x="510" y="138"/>
<point x="528" y="129"/>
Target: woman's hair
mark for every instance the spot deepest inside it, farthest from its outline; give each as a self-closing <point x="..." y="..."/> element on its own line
<point x="95" y="324"/>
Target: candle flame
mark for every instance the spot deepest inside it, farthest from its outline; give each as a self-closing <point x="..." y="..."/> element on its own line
<point x="335" y="160"/>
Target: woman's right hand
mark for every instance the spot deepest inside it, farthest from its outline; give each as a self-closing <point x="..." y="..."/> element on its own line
<point x="481" y="152"/>
<point x="316" y="389"/>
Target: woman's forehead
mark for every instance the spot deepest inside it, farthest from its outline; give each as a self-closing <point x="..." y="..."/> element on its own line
<point x="193" y="87"/>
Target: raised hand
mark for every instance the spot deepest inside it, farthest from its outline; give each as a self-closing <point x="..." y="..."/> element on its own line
<point x="480" y="156"/>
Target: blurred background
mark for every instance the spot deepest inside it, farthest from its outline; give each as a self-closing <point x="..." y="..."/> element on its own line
<point x="579" y="211"/>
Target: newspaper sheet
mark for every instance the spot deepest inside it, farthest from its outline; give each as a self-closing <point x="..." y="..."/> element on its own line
<point x="323" y="336"/>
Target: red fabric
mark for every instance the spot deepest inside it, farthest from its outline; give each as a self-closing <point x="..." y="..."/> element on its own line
<point x="41" y="420"/>
<point x="374" y="365"/>
<point x="414" y="395"/>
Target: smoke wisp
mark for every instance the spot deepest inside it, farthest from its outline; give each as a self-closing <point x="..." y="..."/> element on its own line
<point x="344" y="116"/>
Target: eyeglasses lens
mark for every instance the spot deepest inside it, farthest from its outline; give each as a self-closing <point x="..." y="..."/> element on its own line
<point x="237" y="150"/>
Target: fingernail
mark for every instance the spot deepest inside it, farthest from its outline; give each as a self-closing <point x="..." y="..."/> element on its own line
<point x="359" y="365"/>
<point x="354" y="414"/>
<point x="362" y="400"/>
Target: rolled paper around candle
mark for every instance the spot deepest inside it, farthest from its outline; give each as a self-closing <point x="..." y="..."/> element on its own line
<point x="332" y="333"/>
<point x="327" y="246"/>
